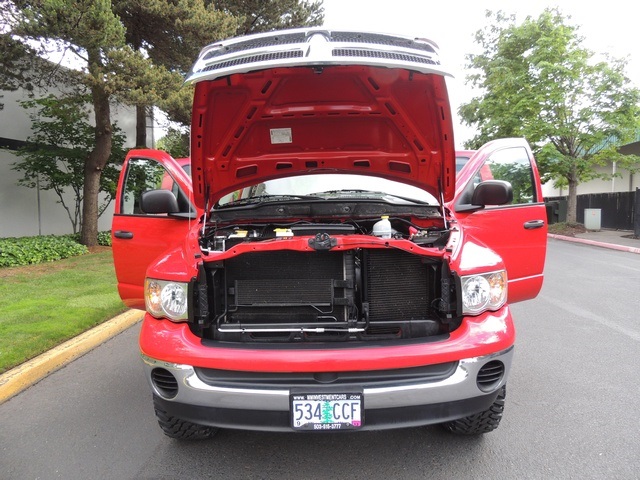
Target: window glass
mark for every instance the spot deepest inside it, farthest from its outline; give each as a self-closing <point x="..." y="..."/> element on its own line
<point x="461" y="161"/>
<point x="143" y="175"/>
<point x="514" y="166"/>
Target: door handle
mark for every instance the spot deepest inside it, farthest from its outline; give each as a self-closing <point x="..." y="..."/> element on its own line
<point x="123" y="234"/>
<point x="534" y="224"/>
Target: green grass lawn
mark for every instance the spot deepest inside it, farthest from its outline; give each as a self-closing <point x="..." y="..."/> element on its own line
<point x="44" y="305"/>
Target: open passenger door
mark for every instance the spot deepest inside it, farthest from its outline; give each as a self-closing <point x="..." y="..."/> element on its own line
<point x="138" y="237"/>
<point x="517" y="231"/>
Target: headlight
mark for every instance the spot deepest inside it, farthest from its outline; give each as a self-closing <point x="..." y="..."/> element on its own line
<point x="484" y="292"/>
<point x="166" y="299"/>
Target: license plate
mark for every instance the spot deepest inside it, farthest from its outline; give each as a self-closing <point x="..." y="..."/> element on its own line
<point x="327" y="411"/>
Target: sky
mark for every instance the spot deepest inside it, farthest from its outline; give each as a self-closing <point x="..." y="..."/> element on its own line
<point x="609" y="28"/>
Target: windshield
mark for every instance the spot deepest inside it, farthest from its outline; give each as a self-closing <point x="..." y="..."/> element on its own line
<point x="332" y="186"/>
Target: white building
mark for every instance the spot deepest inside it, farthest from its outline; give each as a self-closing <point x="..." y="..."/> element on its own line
<point x="621" y="180"/>
<point x="29" y="211"/>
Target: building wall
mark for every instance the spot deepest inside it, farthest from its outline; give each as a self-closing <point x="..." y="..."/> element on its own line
<point x="624" y="181"/>
<point x="28" y="211"/>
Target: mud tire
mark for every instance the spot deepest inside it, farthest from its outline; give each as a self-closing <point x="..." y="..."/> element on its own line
<point x="180" y="429"/>
<point x="480" y="423"/>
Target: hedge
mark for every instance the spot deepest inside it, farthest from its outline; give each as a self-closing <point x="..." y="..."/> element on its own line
<point x="19" y="251"/>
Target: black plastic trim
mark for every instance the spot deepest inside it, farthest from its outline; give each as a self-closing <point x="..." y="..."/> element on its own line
<point x="376" y="419"/>
<point x="310" y="380"/>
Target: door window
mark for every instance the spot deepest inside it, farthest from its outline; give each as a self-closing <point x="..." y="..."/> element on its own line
<point x="143" y="175"/>
<point x="514" y="166"/>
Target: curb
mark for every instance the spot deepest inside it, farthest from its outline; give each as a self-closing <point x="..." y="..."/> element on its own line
<point x="23" y="376"/>
<point x="593" y="243"/>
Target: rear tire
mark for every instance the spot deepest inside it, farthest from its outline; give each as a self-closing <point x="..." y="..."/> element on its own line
<point x="479" y="423"/>
<point x="180" y="429"/>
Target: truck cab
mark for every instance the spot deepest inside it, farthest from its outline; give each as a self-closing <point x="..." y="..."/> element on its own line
<point x="326" y="265"/>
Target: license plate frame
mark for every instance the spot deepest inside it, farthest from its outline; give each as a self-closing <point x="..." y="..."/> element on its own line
<point x="326" y="411"/>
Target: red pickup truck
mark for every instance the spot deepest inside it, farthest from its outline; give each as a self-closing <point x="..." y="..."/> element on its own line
<point x="323" y="267"/>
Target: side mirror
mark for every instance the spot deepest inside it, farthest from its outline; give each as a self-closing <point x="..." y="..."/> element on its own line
<point x="489" y="192"/>
<point x="492" y="192"/>
<point x="159" y="201"/>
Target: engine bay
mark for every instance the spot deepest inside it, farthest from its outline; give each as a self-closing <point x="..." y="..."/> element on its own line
<point x="219" y="238"/>
<point x="374" y="290"/>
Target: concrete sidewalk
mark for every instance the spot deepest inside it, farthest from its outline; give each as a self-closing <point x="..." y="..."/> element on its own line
<point x="622" y="240"/>
<point x="23" y="376"/>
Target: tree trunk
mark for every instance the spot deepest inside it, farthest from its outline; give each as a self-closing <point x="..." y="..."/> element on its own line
<point x="141" y="110"/>
<point x="98" y="157"/>
<point x="141" y="126"/>
<point x="572" y="201"/>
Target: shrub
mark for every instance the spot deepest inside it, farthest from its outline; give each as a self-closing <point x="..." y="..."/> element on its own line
<point x="104" y="238"/>
<point x="15" y="252"/>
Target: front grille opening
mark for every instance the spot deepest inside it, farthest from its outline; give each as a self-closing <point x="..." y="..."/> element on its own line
<point x="351" y="296"/>
<point x="165" y="382"/>
<point x="362" y="53"/>
<point x="379" y="39"/>
<point x="264" y="57"/>
<point x="263" y="42"/>
<point x="490" y="375"/>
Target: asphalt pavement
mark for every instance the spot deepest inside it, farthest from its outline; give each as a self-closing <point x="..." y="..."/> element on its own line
<point x="23" y="376"/>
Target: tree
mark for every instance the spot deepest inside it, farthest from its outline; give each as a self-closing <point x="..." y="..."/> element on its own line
<point x="192" y="25"/>
<point x="55" y="154"/>
<point x="175" y="143"/>
<point x="537" y="81"/>
<point x="114" y="63"/>
<point x="265" y="15"/>
<point x="170" y="35"/>
<point x="95" y="35"/>
<point x="12" y="63"/>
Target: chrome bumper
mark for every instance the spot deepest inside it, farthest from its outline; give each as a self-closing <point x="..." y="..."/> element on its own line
<point x="461" y="385"/>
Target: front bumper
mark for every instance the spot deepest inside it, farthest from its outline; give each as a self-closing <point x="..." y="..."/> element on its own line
<point x="404" y="384"/>
<point x="452" y="391"/>
<point x="477" y="336"/>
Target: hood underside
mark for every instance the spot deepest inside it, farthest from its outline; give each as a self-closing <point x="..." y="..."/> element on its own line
<point x="354" y="114"/>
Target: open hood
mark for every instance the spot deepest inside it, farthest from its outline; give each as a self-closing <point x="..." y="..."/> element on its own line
<point x="316" y="101"/>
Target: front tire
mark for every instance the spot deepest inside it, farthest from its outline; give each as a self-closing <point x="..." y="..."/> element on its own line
<point x="479" y="423"/>
<point x="180" y="429"/>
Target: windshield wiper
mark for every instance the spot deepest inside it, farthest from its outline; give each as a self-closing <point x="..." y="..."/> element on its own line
<point x="268" y="199"/>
